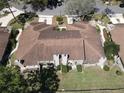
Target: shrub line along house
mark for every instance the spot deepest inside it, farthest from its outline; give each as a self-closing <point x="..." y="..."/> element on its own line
<point x="42" y="43"/>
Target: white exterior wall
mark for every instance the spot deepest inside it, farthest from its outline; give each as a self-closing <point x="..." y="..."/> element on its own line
<point x="116" y="18"/>
<point x="64" y="59"/>
<point x="46" y="18"/>
<point x="56" y="59"/>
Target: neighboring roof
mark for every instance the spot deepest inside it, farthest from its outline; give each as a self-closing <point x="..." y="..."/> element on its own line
<point x="42" y="44"/>
<point x="118" y="37"/>
<point x="4" y="35"/>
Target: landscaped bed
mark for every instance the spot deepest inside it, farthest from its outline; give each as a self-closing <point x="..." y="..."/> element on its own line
<point x="91" y="78"/>
<point x="55" y="20"/>
<point x="22" y="19"/>
<point x="103" y="17"/>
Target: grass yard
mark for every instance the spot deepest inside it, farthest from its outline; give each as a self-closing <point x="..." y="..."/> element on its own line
<point x="15" y="24"/>
<point x="105" y="91"/>
<point x="91" y="78"/>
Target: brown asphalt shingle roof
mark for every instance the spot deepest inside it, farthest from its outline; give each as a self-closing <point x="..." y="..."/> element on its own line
<point x="52" y="34"/>
<point x="4" y="36"/>
<point x="42" y="44"/>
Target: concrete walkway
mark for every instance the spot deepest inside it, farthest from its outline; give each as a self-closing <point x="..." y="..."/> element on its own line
<point x="102" y="33"/>
<point x="6" y="19"/>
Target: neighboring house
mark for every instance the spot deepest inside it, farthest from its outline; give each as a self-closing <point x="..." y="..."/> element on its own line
<point x="118" y="38"/>
<point x="42" y="43"/>
<point x="4" y="37"/>
<point x="116" y="18"/>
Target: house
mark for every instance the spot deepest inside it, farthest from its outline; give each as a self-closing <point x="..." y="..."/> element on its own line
<point x="42" y="43"/>
<point x="118" y="38"/>
<point x="4" y="37"/>
<point x="116" y="18"/>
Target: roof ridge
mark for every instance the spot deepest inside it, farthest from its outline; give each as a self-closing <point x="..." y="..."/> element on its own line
<point x="94" y="49"/>
<point x="28" y="50"/>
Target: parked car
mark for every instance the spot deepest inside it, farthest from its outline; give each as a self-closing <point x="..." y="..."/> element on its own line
<point x="121" y="5"/>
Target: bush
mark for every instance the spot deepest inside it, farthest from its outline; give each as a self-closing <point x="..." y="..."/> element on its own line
<point x="63" y="29"/>
<point x="97" y="28"/>
<point x="60" y="20"/>
<point x="79" y="68"/>
<point x="64" y="69"/>
<point x="106" y="68"/>
<point x="111" y="49"/>
<point x="14" y="34"/>
<point x="69" y="68"/>
<point x="118" y="72"/>
<point x="59" y="67"/>
<point x="24" y="17"/>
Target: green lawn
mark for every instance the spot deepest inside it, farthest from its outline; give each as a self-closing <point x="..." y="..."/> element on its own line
<point x="91" y="78"/>
<point x="15" y="24"/>
<point x="112" y="91"/>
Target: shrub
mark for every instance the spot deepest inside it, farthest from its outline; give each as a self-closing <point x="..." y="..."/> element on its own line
<point x="64" y="69"/>
<point x="24" y="17"/>
<point x="106" y="68"/>
<point x="59" y="67"/>
<point x="60" y="20"/>
<point x="69" y="68"/>
<point x="14" y="34"/>
<point x="97" y="28"/>
<point x="118" y="72"/>
<point x="111" y="49"/>
<point x="79" y="68"/>
<point x="63" y="29"/>
<point x="58" y="29"/>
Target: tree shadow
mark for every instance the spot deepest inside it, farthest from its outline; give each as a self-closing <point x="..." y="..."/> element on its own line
<point x="44" y="80"/>
<point x="49" y="79"/>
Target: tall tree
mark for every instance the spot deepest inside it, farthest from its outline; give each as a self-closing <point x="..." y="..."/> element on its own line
<point x="39" y="4"/>
<point x="10" y="80"/>
<point x="2" y="4"/>
<point x="43" y="81"/>
<point x="79" y="7"/>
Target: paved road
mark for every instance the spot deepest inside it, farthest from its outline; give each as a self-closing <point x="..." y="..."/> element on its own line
<point x="61" y="9"/>
<point x="114" y="8"/>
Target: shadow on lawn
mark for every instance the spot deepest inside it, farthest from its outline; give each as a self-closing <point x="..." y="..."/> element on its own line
<point x="44" y="80"/>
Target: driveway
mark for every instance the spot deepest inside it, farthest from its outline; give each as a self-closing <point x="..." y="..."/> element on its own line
<point x="6" y="19"/>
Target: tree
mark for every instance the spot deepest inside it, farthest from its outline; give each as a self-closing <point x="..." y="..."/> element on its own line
<point x="10" y="80"/>
<point x="39" y="4"/>
<point x="2" y="4"/>
<point x="49" y="79"/>
<point x="32" y="82"/>
<point x="44" y="80"/>
<point x="79" y="7"/>
<point x="111" y="49"/>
